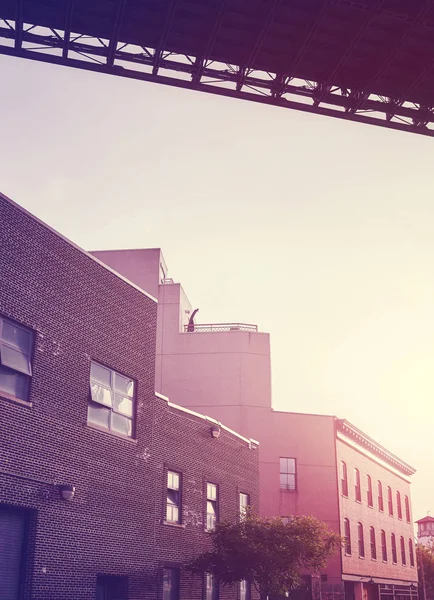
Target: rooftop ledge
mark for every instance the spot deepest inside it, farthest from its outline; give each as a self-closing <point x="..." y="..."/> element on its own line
<point x="209" y="327"/>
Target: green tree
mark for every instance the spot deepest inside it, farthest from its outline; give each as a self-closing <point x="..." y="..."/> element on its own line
<point x="425" y="566"/>
<point x="268" y="552"/>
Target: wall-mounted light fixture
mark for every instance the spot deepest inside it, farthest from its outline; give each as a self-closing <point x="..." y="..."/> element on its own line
<point x="215" y="431"/>
<point x="67" y="491"/>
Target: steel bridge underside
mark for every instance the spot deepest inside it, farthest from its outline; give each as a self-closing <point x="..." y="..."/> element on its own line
<point x="369" y="61"/>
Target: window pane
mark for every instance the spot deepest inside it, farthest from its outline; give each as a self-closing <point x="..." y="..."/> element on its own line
<point x="124" y="385"/>
<point x="211" y="491"/>
<point x="291" y="465"/>
<point x="16" y="336"/>
<point x="291" y="482"/>
<point x="283" y="465"/>
<point x="100" y="394"/>
<point x="98" y="415"/>
<point x="211" y="508"/>
<point x="13" y="383"/>
<point x="283" y="481"/>
<point x="123" y="405"/>
<point x="122" y="424"/>
<point x="172" y="513"/>
<point x="100" y="374"/>
<point x="173" y="497"/>
<point x="15" y="359"/>
<point x="173" y="480"/>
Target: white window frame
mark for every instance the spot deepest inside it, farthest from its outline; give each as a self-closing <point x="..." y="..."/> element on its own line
<point x="23" y="372"/>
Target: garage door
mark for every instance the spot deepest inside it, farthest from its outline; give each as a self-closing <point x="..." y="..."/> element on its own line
<point x="12" y="529"/>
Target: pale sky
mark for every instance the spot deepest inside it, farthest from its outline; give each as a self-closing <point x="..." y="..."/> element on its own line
<point x="318" y="230"/>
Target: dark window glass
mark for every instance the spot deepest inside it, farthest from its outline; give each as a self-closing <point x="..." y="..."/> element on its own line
<point x="383" y="545"/>
<point x="111" y="587"/>
<point x="403" y="557"/>
<point x="244" y="504"/>
<point x="410" y="552"/>
<point x="111" y="402"/>
<point x="390" y="500"/>
<point x="173" y="501"/>
<point x="347" y="537"/>
<point x="288" y="474"/>
<point x="393" y="541"/>
<point x="407" y="509"/>
<point x="398" y="505"/>
<point x="369" y="495"/>
<point x="361" y="540"/>
<point x="380" y="496"/>
<point x="344" y="478"/>
<point x="211" y="587"/>
<point x="357" y="486"/>
<point x="170" y="584"/>
<point x="211" y="506"/>
<point x="16" y="343"/>
<point x="373" y="543"/>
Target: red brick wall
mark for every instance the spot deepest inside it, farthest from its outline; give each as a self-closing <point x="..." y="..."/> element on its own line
<point x="360" y="512"/>
<point x="80" y="311"/>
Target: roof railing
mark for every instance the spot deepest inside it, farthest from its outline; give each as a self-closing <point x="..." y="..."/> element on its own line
<point x="211" y="327"/>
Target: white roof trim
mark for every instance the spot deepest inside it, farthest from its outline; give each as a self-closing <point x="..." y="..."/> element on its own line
<point x="252" y="443"/>
<point x="74" y="245"/>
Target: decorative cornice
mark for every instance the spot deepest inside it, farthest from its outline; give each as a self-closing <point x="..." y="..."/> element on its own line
<point x="365" y="441"/>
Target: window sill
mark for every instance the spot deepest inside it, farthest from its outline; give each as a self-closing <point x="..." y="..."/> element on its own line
<point x="172" y="524"/>
<point x="287" y="490"/>
<point x="358" y="501"/>
<point x="112" y="433"/>
<point x="5" y="396"/>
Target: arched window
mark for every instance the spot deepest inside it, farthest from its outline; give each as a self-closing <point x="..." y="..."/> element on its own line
<point x="390" y="500"/>
<point x="380" y="496"/>
<point x="410" y="552"/>
<point x="344" y="478"/>
<point x="357" y="487"/>
<point x="383" y="545"/>
<point x="403" y="558"/>
<point x="369" y="491"/>
<point x="393" y="540"/>
<point x="361" y="540"/>
<point x="398" y="505"/>
<point x="347" y="537"/>
<point x="407" y="509"/>
<point x="373" y="543"/>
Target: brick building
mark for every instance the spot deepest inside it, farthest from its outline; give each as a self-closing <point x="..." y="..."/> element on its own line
<point x="106" y="488"/>
<point x="302" y="456"/>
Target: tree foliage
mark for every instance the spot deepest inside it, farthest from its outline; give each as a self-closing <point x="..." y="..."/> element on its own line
<point x="268" y="552"/>
<point x="425" y="565"/>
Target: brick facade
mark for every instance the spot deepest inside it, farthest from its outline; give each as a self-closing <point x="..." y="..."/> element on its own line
<point x="80" y="311"/>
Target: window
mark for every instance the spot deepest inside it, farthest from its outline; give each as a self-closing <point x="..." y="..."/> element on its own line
<point x="173" y="503"/>
<point x="347" y="537"/>
<point x="211" y="587"/>
<point x="398" y="505"/>
<point x="111" y="587"/>
<point x="403" y="557"/>
<point x="344" y="478"/>
<point x="244" y="504"/>
<point x="170" y="584"/>
<point x="369" y="496"/>
<point x="287" y="474"/>
<point x="211" y="506"/>
<point x="244" y="590"/>
<point x="410" y="552"/>
<point x="407" y="509"/>
<point x="357" y="487"/>
<point x="380" y="496"/>
<point x="111" y="402"/>
<point x="373" y="543"/>
<point x="16" y="343"/>
<point x="390" y="500"/>
<point x="361" y="540"/>
<point x="383" y="545"/>
<point x="394" y="555"/>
